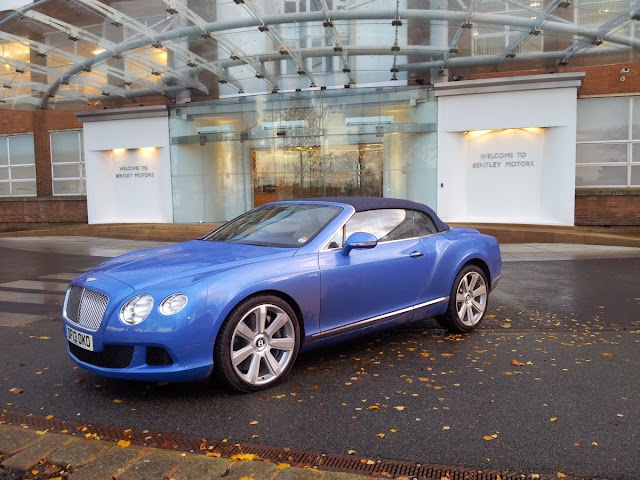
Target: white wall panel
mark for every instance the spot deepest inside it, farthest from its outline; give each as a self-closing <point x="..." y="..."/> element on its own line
<point x="506" y="153"/>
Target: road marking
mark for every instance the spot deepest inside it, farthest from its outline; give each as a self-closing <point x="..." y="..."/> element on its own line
<point x="33" y="285"/>
<point x="35" y="298"/>
<point x="61" y="276"/>
<point x="17" y="319"/>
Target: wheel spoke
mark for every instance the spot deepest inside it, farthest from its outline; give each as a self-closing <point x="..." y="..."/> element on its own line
<point x="279" y="322"/>
<point x="474" y="279"/>
<point x="241" y="355"/>
<point x="469" y="314"/>
<point x="481" y="290"/>
<point x="462" y="310"/>
<point x="244" y="331"/>
<point x="261" y="315"/>
<point x="460" y="297"/>
<point x="254" y="370"/>
<point x="272" y="364"/>
<point x="282" y="343"/>
<point x="478" y="305"/>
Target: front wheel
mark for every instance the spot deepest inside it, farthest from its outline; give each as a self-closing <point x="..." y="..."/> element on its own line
<point x="468" y="300"/>
<point x="257" y="344"/>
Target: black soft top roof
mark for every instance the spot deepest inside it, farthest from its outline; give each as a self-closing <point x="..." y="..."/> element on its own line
<point x="362" y="204"/>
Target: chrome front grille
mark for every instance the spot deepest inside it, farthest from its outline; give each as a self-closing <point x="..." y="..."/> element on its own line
<point x="85" y="307"/>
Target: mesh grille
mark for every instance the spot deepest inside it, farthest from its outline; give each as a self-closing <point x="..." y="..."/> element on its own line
<point x="112" y="356"/>
<point x="85" y="307"/>
<point x="158" y="356"/>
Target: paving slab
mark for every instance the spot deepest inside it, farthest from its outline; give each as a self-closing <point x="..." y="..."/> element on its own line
<point x="77" y="453"/>
<point x="108" y="465"/>
<point x="252" y="469"/>
<point x="13" y="439"/>
<point x="299" y="474"/>
<point x="343" y="476"/>
<point x="36" y="451"/>
<point x="202" y="468"/>
<point x="158" y="465"/>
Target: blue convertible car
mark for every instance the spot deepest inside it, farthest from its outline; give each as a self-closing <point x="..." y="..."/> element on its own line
<point x="242" y="301"/>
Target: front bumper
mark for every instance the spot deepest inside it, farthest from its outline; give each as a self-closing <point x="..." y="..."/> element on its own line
<point x="131" y="362"/>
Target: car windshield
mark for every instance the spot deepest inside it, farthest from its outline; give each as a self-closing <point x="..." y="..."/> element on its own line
<point x="281" y="225"/>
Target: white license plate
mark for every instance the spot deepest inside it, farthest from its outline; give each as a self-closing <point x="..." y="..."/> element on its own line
<point x="83" y="340"/>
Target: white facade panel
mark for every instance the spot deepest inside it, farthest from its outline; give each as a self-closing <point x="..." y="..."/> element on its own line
<point x="507" y="156"/>
<point x="128" y="170"/>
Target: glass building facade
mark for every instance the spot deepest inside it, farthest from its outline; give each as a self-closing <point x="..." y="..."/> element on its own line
<point x="232" y="154"/>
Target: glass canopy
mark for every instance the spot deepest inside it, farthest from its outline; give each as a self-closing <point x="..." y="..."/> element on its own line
<point x="63" y="54"/>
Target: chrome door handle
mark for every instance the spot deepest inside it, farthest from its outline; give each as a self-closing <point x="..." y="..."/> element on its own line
<point x="416" y="254"/>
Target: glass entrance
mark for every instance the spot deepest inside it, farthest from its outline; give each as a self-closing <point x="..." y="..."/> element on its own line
<point x="304" y="172"/>
<point x="232" y="154"/>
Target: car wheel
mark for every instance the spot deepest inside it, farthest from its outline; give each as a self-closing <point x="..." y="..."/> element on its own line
<point x="257" y="344"/>
<point x="468" y="300"/>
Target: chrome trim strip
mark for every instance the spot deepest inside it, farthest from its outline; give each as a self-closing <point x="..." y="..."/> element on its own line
<point x="380" y="317"/>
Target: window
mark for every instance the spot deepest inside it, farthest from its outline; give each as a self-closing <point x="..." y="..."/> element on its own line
<point x="608" y="142"/>
<point x="493" y="39"/>
<point x="387" y="225"/>
<point x="593" y="13"/>
<point x="67" y="163"/>
<point x="17" y="166"/>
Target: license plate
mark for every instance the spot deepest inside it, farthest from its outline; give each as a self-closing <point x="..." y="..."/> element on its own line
<point x="83" y="340"/>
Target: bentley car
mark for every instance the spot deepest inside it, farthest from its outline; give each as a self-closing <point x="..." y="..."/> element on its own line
<point x="242" y="301"/>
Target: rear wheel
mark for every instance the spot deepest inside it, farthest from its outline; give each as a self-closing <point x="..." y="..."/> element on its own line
<point x="258" y="344"/>
<point x="468" y="300"/>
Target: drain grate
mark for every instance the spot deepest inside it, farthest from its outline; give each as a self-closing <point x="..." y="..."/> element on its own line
<point x="296" y="458"/>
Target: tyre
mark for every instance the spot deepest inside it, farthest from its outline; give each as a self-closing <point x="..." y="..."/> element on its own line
<point x="257" y="344"/>
<point x="468" y="300"/>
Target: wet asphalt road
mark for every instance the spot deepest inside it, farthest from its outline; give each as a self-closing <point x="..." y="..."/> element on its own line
<point x="548" y="384"/>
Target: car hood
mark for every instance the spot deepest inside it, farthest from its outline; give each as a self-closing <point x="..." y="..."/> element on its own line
<point x="161" y="264"/>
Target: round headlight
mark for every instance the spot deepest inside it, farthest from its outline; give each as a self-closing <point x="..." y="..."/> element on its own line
<point x="137" y="309"/>
<point x="173" y="304"/>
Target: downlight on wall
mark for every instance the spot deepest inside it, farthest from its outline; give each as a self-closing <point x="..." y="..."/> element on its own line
<point x="479" y="133"/>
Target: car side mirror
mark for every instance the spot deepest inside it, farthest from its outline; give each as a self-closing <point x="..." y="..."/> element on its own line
<point x="359" y="240"/>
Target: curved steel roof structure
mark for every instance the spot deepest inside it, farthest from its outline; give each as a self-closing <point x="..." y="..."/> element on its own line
<point x="57" y="53"/>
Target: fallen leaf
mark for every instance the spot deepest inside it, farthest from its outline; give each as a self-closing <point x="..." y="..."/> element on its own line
<point x="282" y="466"/>
<point x="124" y="443"/>
<point x="516" y="363"/>
<point x="213" y="454"/>
<point x="380" y="435"/>
<point x="374" y="407"/>
<point x="399" y="408"/>
<point x="351" y="452"/>
<point x="42" y="432"/>
<point x="51" y="470"/>
<point x="79" y="380"/>
<point x="49" y="417"/>
<point x="446" y="427"/>
<point x="506" y="325"/>
<point x="16" y="391"/>
<point x="561" y="475"/>
<point x="116" y="400"/>
<point x="607" y="354"/>
<point x="253" y="422"/>
<point x="553" y="419"/>
<point x="244" y="456"/>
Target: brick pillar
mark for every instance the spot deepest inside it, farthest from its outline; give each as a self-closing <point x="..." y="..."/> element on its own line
<point x="43" y="153"/>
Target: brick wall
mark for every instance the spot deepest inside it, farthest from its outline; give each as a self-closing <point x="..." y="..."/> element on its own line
<point x="608" y="207"/>
<point x="28" y="212"/>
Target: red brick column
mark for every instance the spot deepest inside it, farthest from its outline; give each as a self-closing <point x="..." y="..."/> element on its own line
<point x="42" y="150"/>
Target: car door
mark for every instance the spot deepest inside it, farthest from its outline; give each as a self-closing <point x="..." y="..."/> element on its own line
<point x="384" y="281"/>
